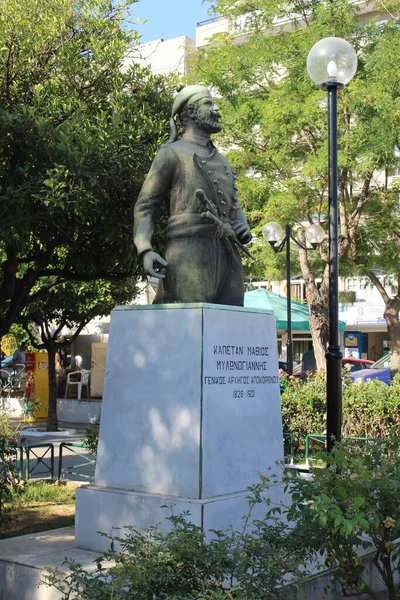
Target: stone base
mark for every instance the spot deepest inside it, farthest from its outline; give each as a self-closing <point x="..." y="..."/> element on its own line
<point x="191" y="413"/>
<point x="70" y="410"/>
<point x="23" y="561"/>
<point x="107" y="510"/>
<point x="24" y="558"/>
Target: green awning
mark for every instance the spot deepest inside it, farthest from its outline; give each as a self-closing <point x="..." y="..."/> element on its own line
<point x="277" y="304"/>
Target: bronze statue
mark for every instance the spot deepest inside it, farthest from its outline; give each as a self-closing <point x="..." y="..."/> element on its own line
<point x="206" y="225"/>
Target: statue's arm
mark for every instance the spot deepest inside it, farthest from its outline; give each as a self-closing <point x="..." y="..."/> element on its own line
<point x="241" y="227"/>
<point x="154" y="192"/>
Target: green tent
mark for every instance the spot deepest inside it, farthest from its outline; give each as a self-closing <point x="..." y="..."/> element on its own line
<point x="260" y="298"/>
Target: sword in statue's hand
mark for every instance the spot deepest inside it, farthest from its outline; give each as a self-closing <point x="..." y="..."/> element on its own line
<point x="225" y="229"/>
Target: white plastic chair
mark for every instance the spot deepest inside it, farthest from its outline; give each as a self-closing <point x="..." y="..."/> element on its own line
<point x="80" y="379"/>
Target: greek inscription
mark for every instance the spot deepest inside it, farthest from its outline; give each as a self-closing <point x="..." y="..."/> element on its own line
<point x="229" y="350"/>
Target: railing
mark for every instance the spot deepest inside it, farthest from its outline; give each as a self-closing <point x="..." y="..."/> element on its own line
<point x="71" y="470"/>
<point x="40" y="461"/>
<point x="320" y="438"/>
<point x="36" y="460"/>
<point x="48" y="469"/>
<point x="289" y="437"/>
<point x="208" y="21"/>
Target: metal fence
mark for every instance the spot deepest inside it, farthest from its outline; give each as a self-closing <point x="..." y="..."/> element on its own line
<point x="75" y="469"/>
<point x="35" y="465"/>
<point x="32" y="461"/>
<point x="320" y="439"/>
<point x="288" y="447"/>
<point x="38" y="460"/>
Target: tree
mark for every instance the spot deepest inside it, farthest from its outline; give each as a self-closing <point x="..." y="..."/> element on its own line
<point x="77" y="135"/>
<point x="276" y="126"/>
<point x="69" y="306"/>
<point x="379" y="258"/>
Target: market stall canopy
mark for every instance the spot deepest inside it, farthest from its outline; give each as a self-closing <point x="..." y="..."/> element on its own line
<point x="277" y="304"/>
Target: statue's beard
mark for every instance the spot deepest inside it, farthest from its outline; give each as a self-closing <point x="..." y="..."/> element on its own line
<point x="207" y="121"/>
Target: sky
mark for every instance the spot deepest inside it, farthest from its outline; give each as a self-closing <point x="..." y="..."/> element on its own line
<point x="168" y="19"/>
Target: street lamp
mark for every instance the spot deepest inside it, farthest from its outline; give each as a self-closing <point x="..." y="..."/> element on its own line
<point x="331" y="64"/>
<point x="274" y="235"/>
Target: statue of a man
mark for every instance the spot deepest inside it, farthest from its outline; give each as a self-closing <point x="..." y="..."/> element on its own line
<point x="206" y="225"/>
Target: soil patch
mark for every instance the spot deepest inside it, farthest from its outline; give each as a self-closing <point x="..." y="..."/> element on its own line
<point x="40" y="517"/>
<point x="30" y="516"/>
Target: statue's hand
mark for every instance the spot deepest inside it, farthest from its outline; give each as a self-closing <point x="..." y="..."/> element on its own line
<point x="242" y="231"/>
<point x="151" y="260"/>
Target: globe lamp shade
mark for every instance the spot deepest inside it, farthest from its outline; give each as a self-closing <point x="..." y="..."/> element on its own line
<point x="332" y="61"/>
<point x="315" y="235"/>
<point x="273" y="233"/>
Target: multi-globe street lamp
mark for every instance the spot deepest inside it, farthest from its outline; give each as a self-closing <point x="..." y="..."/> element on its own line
<point x="277" y="239"/>
<point x="331" y="64"/>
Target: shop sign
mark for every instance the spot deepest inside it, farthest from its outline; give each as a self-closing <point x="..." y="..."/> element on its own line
<point x="9" y="344"/>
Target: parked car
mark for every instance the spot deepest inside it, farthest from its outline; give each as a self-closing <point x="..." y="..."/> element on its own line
<point x="282" y="365"/>
<point x="7" y="364"/>
<point x="351" y="364"/>
<point x="356" y="364"/>
<point x="379" y="370"/>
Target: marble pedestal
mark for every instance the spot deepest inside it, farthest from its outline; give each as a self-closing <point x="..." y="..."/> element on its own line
<point x="191" y="413"/>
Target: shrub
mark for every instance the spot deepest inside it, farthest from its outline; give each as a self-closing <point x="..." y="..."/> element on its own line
<point x="349" y="505"/>
<point x="9" y="476"/>
<point x="371" y="409"/>
<point x="352" y="504"/>
<point x="91" y="439"/>
<point x="254" y="563"/>
<point x="304" y="405"/>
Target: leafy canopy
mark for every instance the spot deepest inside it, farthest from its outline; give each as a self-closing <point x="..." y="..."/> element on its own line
<point x="78" y="129"/>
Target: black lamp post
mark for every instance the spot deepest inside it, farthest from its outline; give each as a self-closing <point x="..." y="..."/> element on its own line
<point x="274" y="235"/>
<point x="331" y="64"/>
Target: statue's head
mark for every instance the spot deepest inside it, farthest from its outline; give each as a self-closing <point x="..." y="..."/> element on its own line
<point x="194" y="102"/>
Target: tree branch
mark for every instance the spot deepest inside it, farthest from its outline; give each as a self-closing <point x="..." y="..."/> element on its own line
<point x="379" y="286"/>
<point x="69" y="276"/>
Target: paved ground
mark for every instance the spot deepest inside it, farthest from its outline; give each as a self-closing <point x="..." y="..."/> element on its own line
<point x="73" y="458"/>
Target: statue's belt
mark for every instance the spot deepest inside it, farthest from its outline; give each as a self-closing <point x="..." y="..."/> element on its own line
<point x="190" y="224"/>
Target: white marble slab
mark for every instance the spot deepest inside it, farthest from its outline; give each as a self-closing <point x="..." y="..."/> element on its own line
<point x="191" y="411"/>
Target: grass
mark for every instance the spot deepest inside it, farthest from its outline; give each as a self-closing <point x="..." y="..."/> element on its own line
<point x="45" y="491"/>
<point x="41" y="506"/>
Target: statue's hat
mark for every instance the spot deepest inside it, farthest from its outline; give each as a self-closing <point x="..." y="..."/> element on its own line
<point x="188" y="95"/>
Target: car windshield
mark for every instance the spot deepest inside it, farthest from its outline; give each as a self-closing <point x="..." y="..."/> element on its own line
<point x="382" y="363"/>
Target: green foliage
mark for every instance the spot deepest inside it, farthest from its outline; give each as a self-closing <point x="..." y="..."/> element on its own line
<point x="182" y="564"/>
<point x="91" y="439"/>
<point x="43" y="491"/>
<point x="78" y="130"/>
<point x="304" y="405"/>
<point x="371" y="409"/>
<point x="68" y="305"/>
<point x="346" y="297"/>
<point x="275" y="123"/>
<point x="31" y="407"/>
<point x="350" y="506"/>
<point x="73" y="304"/>
<point x="8" y="432"/>
<point x="9" y="477"/>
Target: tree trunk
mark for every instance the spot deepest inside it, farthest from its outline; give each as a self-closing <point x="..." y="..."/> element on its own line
<point x="318" y="303"/>
<point x="319" y="326"/>
<point x="52" y="421"/>
<point x="391" y="315"/>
